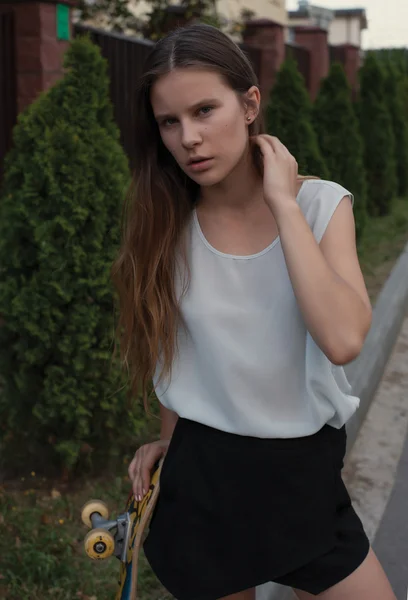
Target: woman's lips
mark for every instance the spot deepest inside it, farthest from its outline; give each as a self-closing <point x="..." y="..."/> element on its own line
<point x="201" y="165"/>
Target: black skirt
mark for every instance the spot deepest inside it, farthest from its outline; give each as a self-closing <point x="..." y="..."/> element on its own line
<point x="235" y="512"/>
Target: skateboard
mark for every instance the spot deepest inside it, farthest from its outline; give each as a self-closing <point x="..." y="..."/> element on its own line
<point x="122" y="537"/>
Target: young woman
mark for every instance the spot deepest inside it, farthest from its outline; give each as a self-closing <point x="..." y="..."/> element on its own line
<point x="241" y="297"/>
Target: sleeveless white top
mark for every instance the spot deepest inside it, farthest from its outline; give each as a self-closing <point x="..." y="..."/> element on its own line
<point x="246" y="363"/>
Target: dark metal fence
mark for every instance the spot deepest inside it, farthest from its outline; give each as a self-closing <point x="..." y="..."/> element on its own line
<point x="8" y="95"/>
<point x="126" y="57"/>
<point x="302" y="57"/>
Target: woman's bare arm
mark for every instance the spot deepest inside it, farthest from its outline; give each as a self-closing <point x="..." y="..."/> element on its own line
<point x="327" y="281"/>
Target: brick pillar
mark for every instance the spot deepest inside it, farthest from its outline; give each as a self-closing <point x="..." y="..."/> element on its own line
<point x="39" y="54"/>
<point x="269" y="38"/>
<point x="315" y="40"/>
<point x="349" y="56"/>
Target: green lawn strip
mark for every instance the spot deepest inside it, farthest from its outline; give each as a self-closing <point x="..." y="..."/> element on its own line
<point x="41" y="535"/>
<point x="383" y="241"/>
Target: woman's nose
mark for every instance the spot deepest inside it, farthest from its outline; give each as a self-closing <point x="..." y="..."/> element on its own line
<point x="190" y="135"/>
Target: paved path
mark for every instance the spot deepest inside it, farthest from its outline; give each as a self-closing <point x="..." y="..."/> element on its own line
<point x="376" y="471"/>
<point x="391" y="540"/>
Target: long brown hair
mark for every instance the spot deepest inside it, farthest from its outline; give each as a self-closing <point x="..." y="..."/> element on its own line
<point x="159" y="205"/>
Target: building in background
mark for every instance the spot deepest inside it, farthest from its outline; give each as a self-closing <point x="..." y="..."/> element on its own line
<point x="344" y="26"/>
<point x="275" y="10"/>
<point x="329" y="35"/>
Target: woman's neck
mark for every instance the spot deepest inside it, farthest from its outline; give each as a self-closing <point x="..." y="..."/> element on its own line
<point x="241" y="191"/>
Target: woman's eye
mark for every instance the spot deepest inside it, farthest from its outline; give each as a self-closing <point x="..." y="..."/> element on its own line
<point x="168" y="122"/>
<point x="206" y="110"/>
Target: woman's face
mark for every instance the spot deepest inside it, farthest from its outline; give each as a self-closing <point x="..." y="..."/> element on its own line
<point x="202" y="119"/>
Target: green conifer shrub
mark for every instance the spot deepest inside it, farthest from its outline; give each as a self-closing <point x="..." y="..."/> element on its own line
<point x="62" y="393"/>
<point x="395" y="97"/>
<point x="289" y="117"/>
<point x="378" y="138"/>
<point x="340" y="140"/>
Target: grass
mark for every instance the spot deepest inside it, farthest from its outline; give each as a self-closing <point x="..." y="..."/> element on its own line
<point x="41" y="543"/>
<point x="383" y="241"/>
<point x="41" y="535"/>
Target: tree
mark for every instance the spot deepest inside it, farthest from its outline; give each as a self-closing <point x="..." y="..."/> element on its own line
<point x="404" y="95"/>
<point x="397" y="60"/>
<point x="398" y="57"/>
<point x="340" y="140"/>
<point x="161" y="16"/>
<point x="395" y="96"/>
<point x="113" y="15"/>
<point x="289" y="117"/>
<point x="378" y="138"/>
<point x="62" y="392"/>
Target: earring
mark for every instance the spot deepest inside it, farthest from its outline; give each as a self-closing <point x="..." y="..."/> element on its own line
<point x="249" y="118"/>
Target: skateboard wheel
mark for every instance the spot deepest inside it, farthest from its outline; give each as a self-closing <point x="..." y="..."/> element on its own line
<point x="99" y="544"/>
<point x="91" y="507"/>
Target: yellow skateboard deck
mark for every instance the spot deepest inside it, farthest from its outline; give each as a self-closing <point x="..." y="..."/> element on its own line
<point x="122" y="537"/>
<point x="139" y="515"/>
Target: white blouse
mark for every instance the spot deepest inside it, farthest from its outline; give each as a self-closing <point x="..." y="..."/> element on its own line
<point x="246" y="363"/>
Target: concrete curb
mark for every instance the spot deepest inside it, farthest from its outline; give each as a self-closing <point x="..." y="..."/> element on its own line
<point x="365" y="373"/>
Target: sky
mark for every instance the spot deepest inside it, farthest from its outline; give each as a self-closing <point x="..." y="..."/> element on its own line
<point x="387" y="20"/>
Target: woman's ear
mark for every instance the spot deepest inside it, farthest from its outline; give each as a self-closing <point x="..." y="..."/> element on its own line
<point x="253" y="101"/>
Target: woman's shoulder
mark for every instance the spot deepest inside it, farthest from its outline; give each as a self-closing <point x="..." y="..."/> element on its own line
<point x="318" y="200"/>
<point x="324" y="188"/>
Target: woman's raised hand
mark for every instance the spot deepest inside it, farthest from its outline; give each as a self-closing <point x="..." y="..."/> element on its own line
<point x="280" y="173"/>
